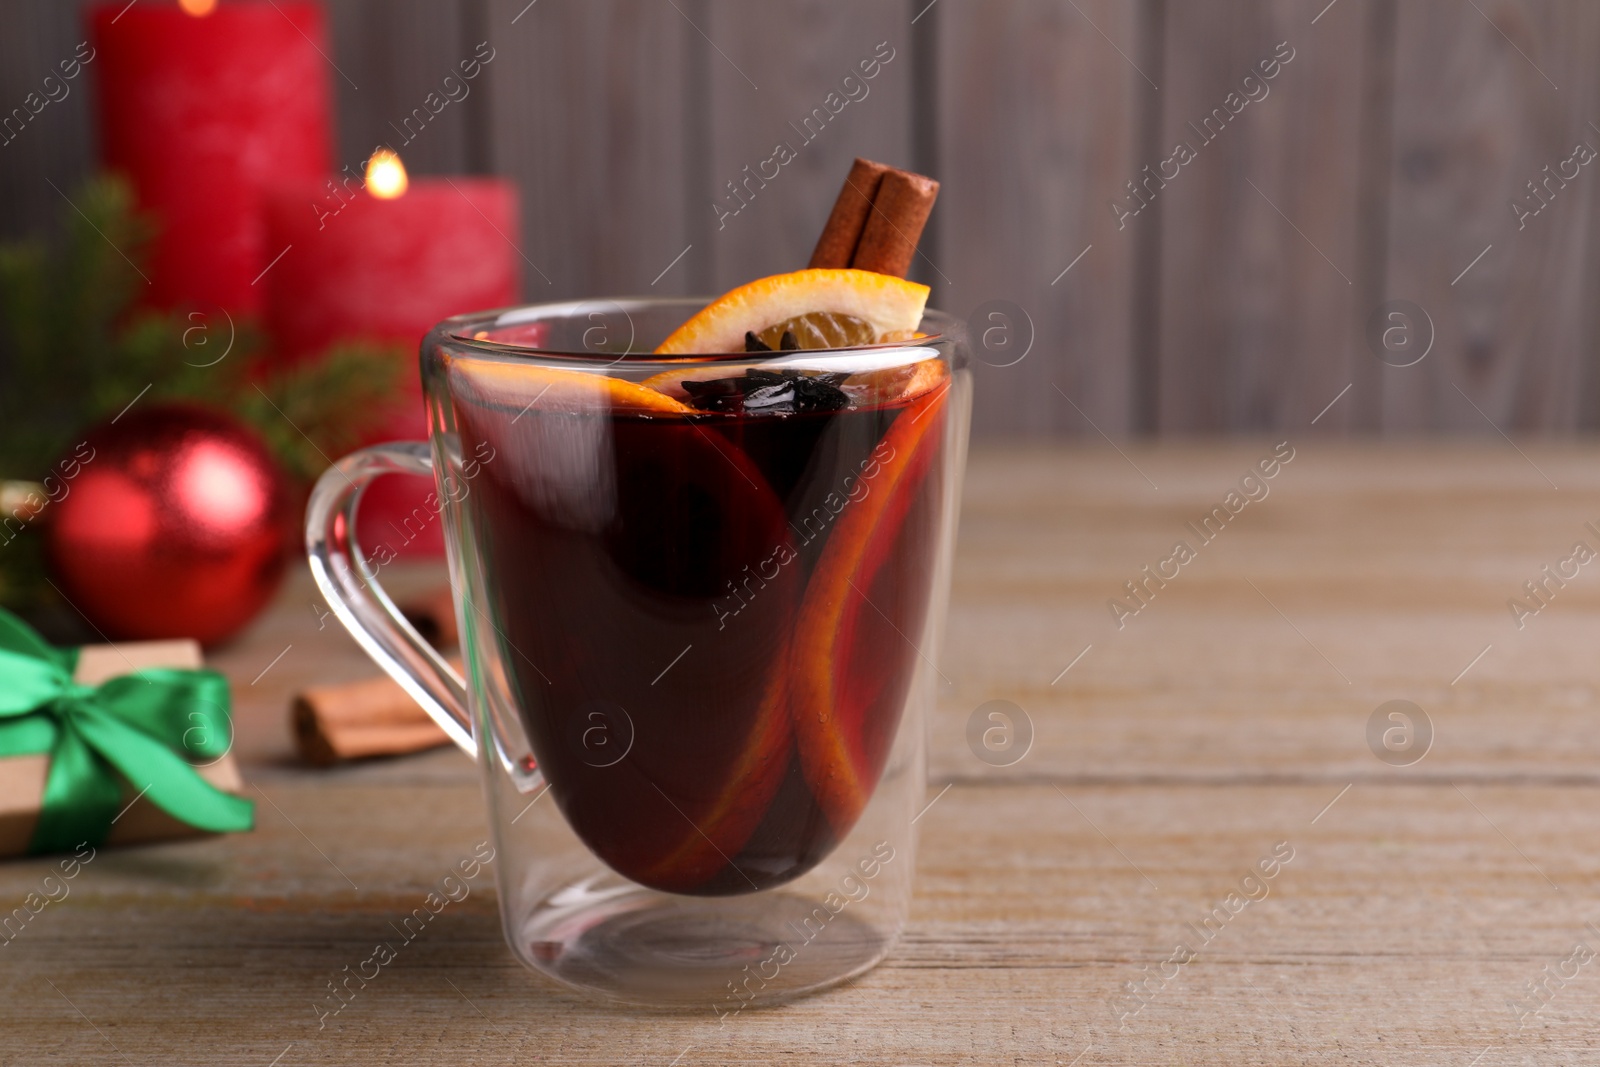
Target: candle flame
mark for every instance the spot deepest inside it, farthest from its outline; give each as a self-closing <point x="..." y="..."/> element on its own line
<point x="198" y="8"/>
<point x="386" y="175"/>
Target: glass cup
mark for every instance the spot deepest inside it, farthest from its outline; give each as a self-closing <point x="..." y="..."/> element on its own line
<point x="698" y="601"/>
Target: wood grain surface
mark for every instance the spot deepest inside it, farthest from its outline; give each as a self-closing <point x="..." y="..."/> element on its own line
<point x="1226" y="720"/>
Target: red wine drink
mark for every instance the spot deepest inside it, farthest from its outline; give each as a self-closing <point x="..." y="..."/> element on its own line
<point x="707" y="615"/>
<point x="698" y="595"/>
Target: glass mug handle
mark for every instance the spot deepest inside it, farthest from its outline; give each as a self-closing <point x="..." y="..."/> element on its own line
<point x="361" y="604"/>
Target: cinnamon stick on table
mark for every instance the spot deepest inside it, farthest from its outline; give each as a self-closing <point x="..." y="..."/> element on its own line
<point x="877" y="220"/>
<point x="433" y="615"/>
<point x="335" y="723"/>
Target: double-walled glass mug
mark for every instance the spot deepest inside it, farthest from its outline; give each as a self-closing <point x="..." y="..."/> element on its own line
<point x="698" y="600"/>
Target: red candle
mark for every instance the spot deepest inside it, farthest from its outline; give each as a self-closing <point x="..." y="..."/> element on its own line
<point x="202" y="107"/>
<point x="387" y="259"/>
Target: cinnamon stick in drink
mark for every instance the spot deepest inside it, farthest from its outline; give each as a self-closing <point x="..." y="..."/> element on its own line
<point x="899" y="212"/>
<point x="837" y="245"/>
<point x="877" y="220"/>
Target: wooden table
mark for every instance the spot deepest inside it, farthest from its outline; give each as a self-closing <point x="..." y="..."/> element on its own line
<point x="1230" y="716"/>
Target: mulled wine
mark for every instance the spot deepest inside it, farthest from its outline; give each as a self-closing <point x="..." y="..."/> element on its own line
<point x="707" y="616"/>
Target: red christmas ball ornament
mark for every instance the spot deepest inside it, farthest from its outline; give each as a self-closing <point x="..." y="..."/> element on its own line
<point x="177" y="525"/>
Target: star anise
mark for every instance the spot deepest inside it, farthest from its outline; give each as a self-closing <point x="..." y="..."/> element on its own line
<point x="765" y="392"/>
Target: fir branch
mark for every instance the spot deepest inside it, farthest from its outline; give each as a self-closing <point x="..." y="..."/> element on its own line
<point x="315" y="411"/>
<point x="80" y="353"/>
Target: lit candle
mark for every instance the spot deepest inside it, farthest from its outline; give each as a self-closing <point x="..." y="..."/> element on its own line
<point x="385" y="257"/>
<point x="201" y="107"/>
<point x="386" y="175"/>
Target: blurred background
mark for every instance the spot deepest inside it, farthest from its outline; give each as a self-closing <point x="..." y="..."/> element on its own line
<point x="1383" y="161"/>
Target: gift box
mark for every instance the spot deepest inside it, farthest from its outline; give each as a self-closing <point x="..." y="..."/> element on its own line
<point x="112" y="744"/>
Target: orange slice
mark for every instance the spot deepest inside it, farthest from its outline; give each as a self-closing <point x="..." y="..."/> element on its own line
<point x="890" y="306"/>
<point x="865" y="389"/>
<point x="529" y="385"/>
<point x="896" y="384"/>
<point x="720" y="833"/>
<point x="839" y="762"/>
<point x="875" y="388"/>
<point x="821" y="329"/>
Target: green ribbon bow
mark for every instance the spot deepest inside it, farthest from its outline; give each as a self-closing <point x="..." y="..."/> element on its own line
<point x="135" y="724"/>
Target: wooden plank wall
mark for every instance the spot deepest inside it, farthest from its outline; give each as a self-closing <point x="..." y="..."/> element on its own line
<point x="1478" y="114"/>
<point x="1260" y="231"/>
<point x="1376" y="165"/>
<point x="1034" y="175"/>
